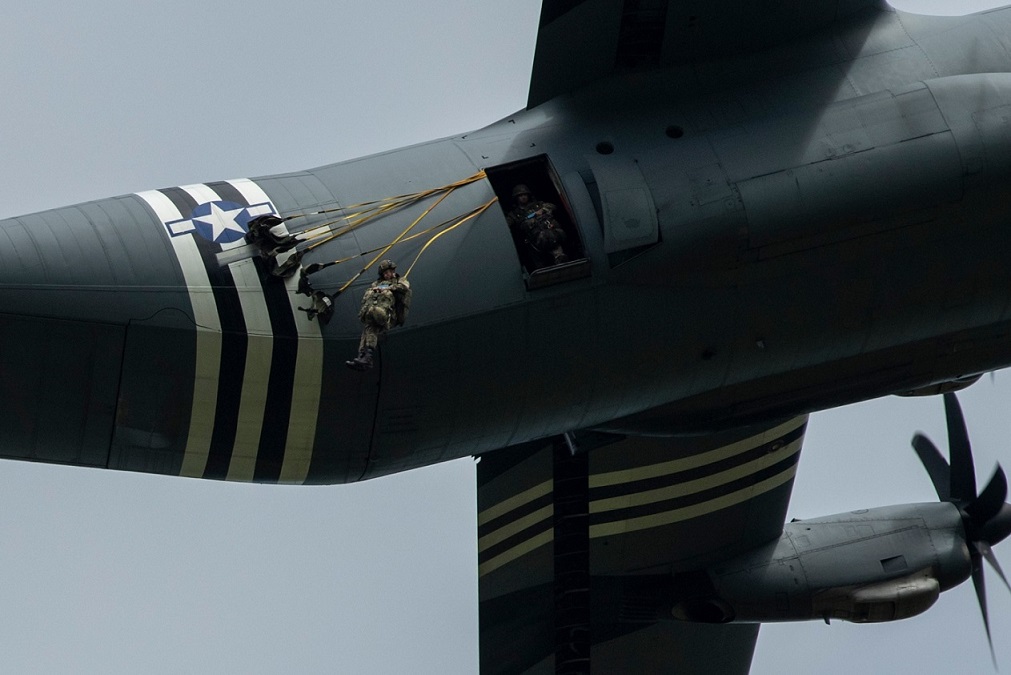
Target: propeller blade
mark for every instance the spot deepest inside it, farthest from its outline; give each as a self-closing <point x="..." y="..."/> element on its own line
<point x="963" y="472"/>
<point x="935" y="464"/>
<point x="998" y="527"/>
<point x="987" y="552"/>
<point x="980" y="585"/>
<point x="990" y="501"/>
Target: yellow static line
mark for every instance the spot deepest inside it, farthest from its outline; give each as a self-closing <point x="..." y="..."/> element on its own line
<point x="394" y="242"/>
<point x="378" y="208"/>
<point x="474" y="214"/>
<point x="695" y="461"/>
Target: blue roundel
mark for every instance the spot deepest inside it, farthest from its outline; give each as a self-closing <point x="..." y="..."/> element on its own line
<point x="221" y="222"/>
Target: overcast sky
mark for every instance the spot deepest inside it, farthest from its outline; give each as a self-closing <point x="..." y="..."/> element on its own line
<point x="105" y="572"/>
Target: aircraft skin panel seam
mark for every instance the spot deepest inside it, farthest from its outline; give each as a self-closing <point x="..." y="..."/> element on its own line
<point x="695" y="461"/>
<point x="257" y="317"/>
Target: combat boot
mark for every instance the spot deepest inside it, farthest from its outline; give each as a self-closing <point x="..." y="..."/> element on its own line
<point x="361" y="362"/>
<point x="356" y="361"/>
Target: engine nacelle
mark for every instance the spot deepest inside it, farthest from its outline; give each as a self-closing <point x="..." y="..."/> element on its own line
<point x="867" y="566"/>
<point x="943" y="387"/>
<point x="886" y="601"/>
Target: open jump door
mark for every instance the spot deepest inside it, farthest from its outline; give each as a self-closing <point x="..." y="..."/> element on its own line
<point x="541" y="222"/>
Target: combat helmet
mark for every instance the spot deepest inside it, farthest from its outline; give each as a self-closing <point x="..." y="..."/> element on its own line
<point x="386" y="265"/>
<point x="521" y="189"/>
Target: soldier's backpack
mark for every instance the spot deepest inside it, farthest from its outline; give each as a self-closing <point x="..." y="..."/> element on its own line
<point x="402" y="303"/>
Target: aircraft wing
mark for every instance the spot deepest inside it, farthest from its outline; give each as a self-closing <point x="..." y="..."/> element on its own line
<point x="581" y="40"/>
<point x="581" y="555"/>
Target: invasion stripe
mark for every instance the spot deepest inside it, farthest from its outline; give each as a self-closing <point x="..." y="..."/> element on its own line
<point x="208" y="338"/>
<point x="230" y="193"/>
<point x="234" y="342"/>
<point x="695" y="510"/>
<point x="512" y="533"/>
<point x="634" y="506"/>
<point x="655" y="488"/>
<point x="646" y="522"/>
<point x="519" y="512"/>
<point x="699" y="473"/>
<point x="518" y="538"/>
<point x="689" y="487"/>
<point x="678" y="502"/>
<point x="512" y="554"/>
<point x="268" y="399"/>
<point x="256" y="376"/>
<point x="514" y="502"/>
<point x="701" y="459"/>
<point x="307" y="383"/>
<point x="260" y="382"/>
<point x="515" y="527"/>
<point x="257" y="391"/>
<point x="277" y="413"/>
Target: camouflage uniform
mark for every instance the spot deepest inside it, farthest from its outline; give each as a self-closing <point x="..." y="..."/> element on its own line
<point x="384" y="306"/>
<point x="538" y="228"/>
<point x="379" y="309"/>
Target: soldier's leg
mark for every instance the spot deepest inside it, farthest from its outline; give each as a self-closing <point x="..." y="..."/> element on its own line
<point x="366" y="347"/>
<point x="549" y="240"/>
<point x="370" y="336"/>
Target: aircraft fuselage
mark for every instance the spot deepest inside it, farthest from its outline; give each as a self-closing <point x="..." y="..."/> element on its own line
<point x="759" y="243"/>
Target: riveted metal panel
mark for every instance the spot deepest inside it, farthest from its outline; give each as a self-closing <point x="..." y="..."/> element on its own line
<point x="58" y="381"/>
<point x="626" y="203"/>
<point x="854" y="193"/>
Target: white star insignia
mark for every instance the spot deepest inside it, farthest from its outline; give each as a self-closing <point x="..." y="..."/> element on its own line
<point x="222" y="221"/>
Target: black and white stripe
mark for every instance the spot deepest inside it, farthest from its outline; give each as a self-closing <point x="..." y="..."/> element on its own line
<point x="647" y="496"/>
<point x="259" y="360"/>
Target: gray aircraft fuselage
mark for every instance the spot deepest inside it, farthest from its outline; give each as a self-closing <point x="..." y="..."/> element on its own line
<point x="833" y="218"/>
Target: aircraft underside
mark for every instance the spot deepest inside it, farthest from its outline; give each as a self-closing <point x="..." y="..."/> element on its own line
<point x="720" y="250"/>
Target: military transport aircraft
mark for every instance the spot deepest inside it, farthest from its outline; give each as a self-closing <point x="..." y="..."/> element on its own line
<point x="420" y="317"/>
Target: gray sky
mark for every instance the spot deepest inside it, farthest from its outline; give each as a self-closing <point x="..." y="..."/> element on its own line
<point x="106" y="572"/>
